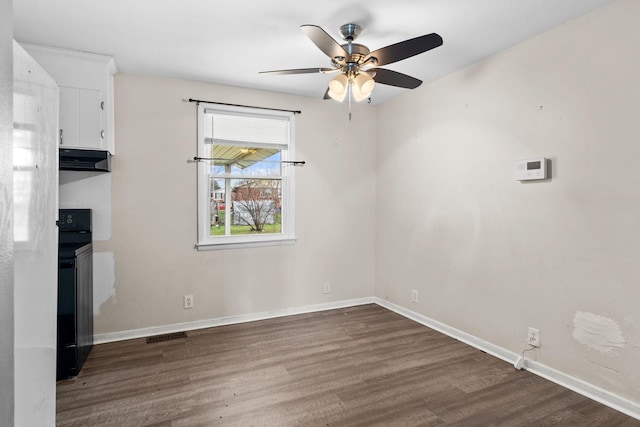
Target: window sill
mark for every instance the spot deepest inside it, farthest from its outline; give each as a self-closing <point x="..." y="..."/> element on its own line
<point x="242" y="245"/>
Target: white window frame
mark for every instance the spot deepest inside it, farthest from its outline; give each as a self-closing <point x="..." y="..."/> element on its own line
<point x="287" y="236"/>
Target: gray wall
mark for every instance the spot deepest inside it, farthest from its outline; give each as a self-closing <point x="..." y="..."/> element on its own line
<point x="491" y="256"/>
<point x="6" y="213"/>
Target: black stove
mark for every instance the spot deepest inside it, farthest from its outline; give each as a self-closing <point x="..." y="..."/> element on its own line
<point x="73" y="249"/>
<point x="75" y="291"/>
<point x="75" y="230"/>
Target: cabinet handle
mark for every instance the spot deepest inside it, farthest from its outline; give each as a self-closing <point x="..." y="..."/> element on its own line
<point x="102" y="105"/>
<point x="61" y="137"/>
<point x="102" y="134"/>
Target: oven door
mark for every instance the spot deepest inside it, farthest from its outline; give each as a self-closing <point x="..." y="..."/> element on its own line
<point x="67" y="353"/>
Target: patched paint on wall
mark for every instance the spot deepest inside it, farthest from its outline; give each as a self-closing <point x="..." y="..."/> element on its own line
<point x="598" y="332"/>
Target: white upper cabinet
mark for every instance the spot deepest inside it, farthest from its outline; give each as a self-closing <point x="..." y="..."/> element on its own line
<point x="81" y="119"/>
<point x="86" y="95"/>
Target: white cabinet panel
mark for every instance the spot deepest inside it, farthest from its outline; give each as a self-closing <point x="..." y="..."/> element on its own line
<point x="86" y="95"/>
<point x="69" y="108"/>
<point x="35" y="195"/>
<point x="81" y="119"/>
<point x="89" y="119"/>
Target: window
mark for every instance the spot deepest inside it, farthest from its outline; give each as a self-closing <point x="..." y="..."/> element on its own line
<point x="245" y="185"/>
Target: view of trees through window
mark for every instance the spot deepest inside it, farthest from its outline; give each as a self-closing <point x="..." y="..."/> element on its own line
<point x="254" y="205"/>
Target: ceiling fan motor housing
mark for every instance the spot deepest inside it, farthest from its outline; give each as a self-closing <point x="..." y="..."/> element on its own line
<point x="357" y="52"/>
<point x="350" y="32"/>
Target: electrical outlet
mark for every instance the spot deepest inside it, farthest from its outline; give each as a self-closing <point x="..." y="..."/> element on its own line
<point x="327" y="287"/>
<point x="533" y="337"/>
<point x="414" y="296"/>
<point x="188" y="301"/>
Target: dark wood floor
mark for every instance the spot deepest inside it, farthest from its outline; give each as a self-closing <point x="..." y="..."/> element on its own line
<point x="360" y="366"/>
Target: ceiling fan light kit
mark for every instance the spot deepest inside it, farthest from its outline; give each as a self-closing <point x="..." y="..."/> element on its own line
<point x="338" y="87"/>
<point x="363" y="85"/>
<point x="354" y="61"/>
<point x="337" y="97"/>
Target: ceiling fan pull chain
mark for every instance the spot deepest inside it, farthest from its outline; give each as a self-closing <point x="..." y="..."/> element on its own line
<point x="349" y="89"/>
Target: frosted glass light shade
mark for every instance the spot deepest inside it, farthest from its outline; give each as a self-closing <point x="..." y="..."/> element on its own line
<point x="362" y="86"/>
<point x="338" y="85"/>
<point x="337" y="97"/>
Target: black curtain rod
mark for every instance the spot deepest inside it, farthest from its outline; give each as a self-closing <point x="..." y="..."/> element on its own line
<point x="239" y="105"/>
<point x="292" y="162"/>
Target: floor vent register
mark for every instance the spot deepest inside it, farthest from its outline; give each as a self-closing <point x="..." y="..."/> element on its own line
<point x="166" y="337"/>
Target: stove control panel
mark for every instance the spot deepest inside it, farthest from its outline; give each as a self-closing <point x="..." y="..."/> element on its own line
<point x="75" y="219"/>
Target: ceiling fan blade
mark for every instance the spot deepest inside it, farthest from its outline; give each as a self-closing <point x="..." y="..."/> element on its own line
<point x="406" y="49"/>
<point x="326" y="94"/>
<point x="394" y="78"/>
<point x="299" y="71"/>
<point x="324" y="41"/>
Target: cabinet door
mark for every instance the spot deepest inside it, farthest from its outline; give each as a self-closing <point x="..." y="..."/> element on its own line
<point x="69" y="108"/>
<point x="81" y="118"/>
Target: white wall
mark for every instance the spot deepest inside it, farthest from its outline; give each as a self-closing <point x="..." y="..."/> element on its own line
<point x="89" y="190"/>
<point x="492" y="256"/>
<point x="6" y="215"/>
<point x="154" y="212"/>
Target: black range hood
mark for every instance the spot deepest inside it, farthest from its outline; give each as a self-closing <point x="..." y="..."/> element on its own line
<point x="72" y="159"/>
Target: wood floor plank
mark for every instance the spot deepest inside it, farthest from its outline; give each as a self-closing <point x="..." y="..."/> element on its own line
<point x="359" y="366"/>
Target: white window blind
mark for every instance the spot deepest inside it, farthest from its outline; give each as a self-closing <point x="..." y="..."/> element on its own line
<point x="234" y="129"/>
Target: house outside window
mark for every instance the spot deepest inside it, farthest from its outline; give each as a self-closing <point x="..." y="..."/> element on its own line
<point x="245" y="185"/>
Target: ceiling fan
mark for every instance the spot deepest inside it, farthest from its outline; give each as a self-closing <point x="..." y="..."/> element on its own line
<point x="358" y="66"/>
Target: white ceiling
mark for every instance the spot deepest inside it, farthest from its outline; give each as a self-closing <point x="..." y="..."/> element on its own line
<point x="230" y="42"/>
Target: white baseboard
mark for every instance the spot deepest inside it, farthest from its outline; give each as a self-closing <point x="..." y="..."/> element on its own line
<point x="591" y="391"/>
<point x="221" y="321"/>
<point x="598" y="394"/>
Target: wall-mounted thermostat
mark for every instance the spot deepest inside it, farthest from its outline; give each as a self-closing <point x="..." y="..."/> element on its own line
<point x="531" y="169"/>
